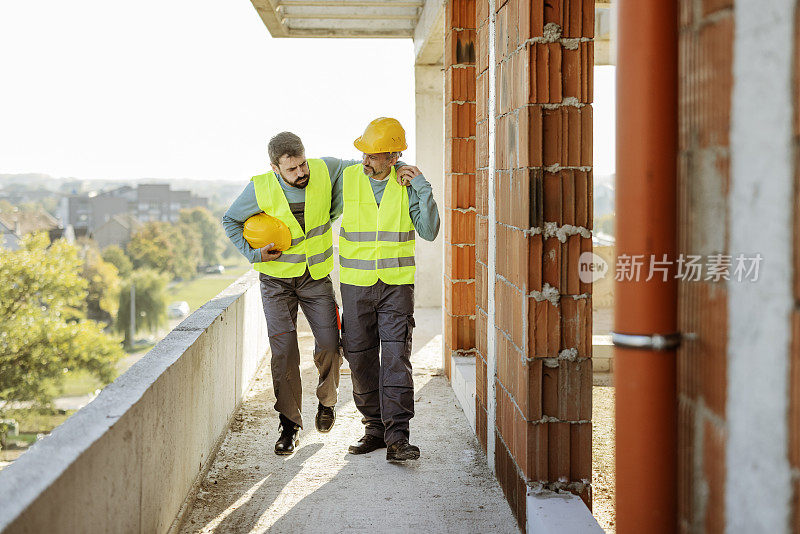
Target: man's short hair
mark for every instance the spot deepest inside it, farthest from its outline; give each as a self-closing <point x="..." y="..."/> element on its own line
<point x="285" y="144"/>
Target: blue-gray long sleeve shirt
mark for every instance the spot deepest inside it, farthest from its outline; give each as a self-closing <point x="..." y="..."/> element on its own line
<point x="422" y="206"/>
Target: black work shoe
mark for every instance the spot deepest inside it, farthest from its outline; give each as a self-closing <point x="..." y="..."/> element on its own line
<point x="288" y="440"/>
<point x="366" y="444"/>
<point x="326" y="416"/>
<point x="402" y="450"/>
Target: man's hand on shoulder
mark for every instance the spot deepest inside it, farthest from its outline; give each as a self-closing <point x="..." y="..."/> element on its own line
<point x="406" y="173"/>
<point x="267" y="254"/>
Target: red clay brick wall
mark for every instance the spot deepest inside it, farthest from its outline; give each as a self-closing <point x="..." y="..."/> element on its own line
<point x="705" y="74"/>
<point x="543" y="182"/>
<point x="482" y="218"/>
<point x="459" y="204"/>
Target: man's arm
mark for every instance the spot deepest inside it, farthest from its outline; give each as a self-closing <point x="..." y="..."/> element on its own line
<point x="244" y="207"/>
<point x="336" y="169"/>
<point x="421" y="204"/>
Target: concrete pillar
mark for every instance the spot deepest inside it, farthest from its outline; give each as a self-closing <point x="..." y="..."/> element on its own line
<point x="428" y="86"/>
<point x="759" y="312"/>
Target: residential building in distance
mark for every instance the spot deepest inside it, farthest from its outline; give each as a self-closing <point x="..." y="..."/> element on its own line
<point x="14" y="225"/>
<point x="109" y="216"/>
<point x="118" y="230"/>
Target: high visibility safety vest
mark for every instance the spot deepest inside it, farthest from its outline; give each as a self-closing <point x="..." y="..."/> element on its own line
<point x="375" y="243"/>
<point x="312" y="247"/>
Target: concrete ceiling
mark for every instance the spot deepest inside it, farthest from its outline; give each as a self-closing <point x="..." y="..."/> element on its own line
<point x="340" y="18"/>
<point x="420" y="20"/>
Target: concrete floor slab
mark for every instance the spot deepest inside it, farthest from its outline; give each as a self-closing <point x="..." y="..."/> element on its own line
<point x="321" y="488"/>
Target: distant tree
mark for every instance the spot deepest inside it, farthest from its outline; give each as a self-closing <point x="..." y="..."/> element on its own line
<point x="186" y="250"/>
<point x="212" y="238"/>
<point x="150" y="302"/>
<point x="217" y="211"/>
<point x="150" y="248"/>
<point x="173" y="249"/>
<point x="43" y="332"/>
<point x="117" y="257"/>
<point x="102" y="299"/>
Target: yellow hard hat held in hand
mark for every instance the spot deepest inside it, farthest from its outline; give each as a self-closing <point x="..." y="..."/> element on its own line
<point x="261" y="229"/>
<point x="384" y="134"/>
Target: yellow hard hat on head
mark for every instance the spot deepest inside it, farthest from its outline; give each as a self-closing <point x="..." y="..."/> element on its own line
<point x="261" y="229"/>
<point x="384" y="134"/>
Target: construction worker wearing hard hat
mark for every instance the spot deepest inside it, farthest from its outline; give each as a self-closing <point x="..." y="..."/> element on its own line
<point x="383" y="210"/>
<point x="281" y="223"/>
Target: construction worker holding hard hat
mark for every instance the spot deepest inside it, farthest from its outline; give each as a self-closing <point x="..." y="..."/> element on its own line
<point x="281" y="223"/>
<point x="383" y="209"/>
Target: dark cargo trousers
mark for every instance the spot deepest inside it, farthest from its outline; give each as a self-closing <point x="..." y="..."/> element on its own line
<point x="377" y="323"/>
<point x="280" y="297"/>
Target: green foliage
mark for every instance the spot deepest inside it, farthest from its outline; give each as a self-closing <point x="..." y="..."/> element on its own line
<point x="166" y="248"/>
<point x="117" y="257"/>
<point x="103" y="289"/>
<point x="212" y="238"/>
<point x="150" y="248"/>
<point x="150" y="302"/>
<point x="185" y="241"/>
<point x="43" y="332"/>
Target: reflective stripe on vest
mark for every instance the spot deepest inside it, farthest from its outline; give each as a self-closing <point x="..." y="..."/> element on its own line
<point x="312" y="249"/>
<point x="375" y="242"/>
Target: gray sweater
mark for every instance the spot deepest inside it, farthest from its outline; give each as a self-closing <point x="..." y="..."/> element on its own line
<point x="421" y="205"/>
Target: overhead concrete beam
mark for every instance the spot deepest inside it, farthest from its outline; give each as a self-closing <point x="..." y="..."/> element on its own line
<point x="267" y="10"/>
<point x="355" y="18"/>
<point x="299" y="29"/>
<point x="354" y="3"/>
<point x="385" y="12"/>
<point x="429" y="34"/>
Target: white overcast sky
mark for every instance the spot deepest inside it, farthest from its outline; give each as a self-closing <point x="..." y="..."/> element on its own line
<point x="96" y="89"/>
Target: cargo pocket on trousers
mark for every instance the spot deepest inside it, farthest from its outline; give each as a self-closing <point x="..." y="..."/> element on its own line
<point x="279" y="320"/>
<point x="398" y="372"/>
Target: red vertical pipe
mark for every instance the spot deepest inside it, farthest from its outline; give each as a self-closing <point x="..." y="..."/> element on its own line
<point x="646" y="192"/>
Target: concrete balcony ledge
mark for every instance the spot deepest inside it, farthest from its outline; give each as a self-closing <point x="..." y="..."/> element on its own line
<point x="129" y="460"/>
<point x="462" y="369"/>
<point x="559" y="513"/>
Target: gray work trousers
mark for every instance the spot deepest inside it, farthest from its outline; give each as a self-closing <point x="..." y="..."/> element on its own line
<point x="377" y="323"/>
<point x="280" y="297"/>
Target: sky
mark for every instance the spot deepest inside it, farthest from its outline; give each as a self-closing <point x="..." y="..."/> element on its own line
<point x="173" y="89"/>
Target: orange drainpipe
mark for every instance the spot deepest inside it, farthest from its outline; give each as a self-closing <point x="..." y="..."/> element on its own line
<point x="645" y="316"/>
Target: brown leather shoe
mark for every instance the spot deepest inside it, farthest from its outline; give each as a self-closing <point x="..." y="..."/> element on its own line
<point x="402" y="450"/>
<point x="326" y="416"/>
<point x="366" y="444"/>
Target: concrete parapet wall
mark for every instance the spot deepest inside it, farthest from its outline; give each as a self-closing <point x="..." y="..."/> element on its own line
<point x="128" y="460"/>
